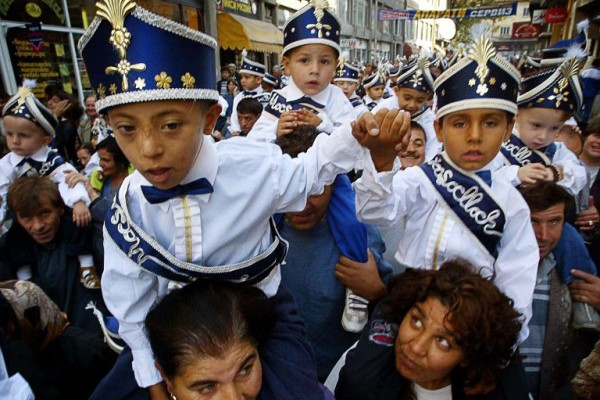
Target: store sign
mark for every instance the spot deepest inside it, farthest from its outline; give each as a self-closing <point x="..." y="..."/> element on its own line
<point x="525" y="30"/>
<point x="499" y="11"/>
<point x="538" y="17"/>
<point x="349" y="43"/>
<point x="36" y="39"/>
<point x="556" y="15"/>
<point x="247" y="8"/>
<point x="47" y="11"/>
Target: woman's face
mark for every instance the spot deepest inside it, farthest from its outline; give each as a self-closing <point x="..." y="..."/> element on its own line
<point x="84" y="156"/>
<point x="231" y="87"/>
<point x="107" y="163"/>
<point x="426" y="349"/>
<point x="235" y="375"/>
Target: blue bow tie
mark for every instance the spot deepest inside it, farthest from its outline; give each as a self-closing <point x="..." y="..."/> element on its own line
<point x="248" y="93"/>
<point x="306" y="102"/>
<point x="155" y="195"/>
<point x="33" y="163"/>
<point x="485" y="176"/>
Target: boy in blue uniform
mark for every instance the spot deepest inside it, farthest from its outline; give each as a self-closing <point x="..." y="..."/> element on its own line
<point x="167" y="225"/>
<point x="311" y="39"/>
<point x="374" y="85"/>
<point x="346" y="78"/>
<point x="454" y="206"/>
<point x="414" y="86"/>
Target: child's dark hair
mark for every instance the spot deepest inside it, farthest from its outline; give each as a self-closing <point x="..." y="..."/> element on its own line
<point x="205" y="319"/>
<point x="110" y="145"/>
<point x="298" y="141"/>
<point x="249" y="105"/>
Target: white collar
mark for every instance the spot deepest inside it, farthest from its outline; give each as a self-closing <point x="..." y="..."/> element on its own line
<point x="293" y="92"/>
<point x="41" y="155"/>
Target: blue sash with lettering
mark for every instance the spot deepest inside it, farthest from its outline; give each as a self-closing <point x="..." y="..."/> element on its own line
<point x="469" y="198"/>
<point x="278" y="104"/>
<point x="146" y="252"/>
<point x="45" y="168"/>
<point x="517" y="152"/>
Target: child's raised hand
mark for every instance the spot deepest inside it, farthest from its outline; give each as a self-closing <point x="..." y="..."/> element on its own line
<point x="384" y="135"/>
<point x="81" y="214"/>
<point x="532" y="173"/>
<point x="287" y="122"/>
<point x="307" y="117"/>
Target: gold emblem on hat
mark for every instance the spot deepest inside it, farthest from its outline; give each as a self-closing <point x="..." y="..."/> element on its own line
<point x="482" y="51"/>
<point x="115" y="11"/>
<point x="320" y="6"/>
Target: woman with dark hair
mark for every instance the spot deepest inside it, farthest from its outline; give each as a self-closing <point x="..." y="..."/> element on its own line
<point x="205" y="339"/>
<point x="115" y="168"/>
<point x="439" y="334"/>
<point x="68" y="110"/>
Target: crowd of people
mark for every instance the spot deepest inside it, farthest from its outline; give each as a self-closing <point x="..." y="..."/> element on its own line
<point x="423" y="229"/>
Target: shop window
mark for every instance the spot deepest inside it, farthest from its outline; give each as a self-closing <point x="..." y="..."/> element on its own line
<point x="51" y="65"/>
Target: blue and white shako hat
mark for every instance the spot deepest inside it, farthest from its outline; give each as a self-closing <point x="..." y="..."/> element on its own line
<point x="312" y="24"/>
<point x="25" y="105"/>
<point x="394" y="72"/>
<point x="345" y="71"/>
<point x="252" y="68"/>
<point x="270" y="79"/>
<point x="559" y="49"/>
<point x="482" y="79"/>
<point x="133" y="55"/>
<point x="376" y="79"/>
<point x="416" y="75"/>
<point x="557" y="88"/>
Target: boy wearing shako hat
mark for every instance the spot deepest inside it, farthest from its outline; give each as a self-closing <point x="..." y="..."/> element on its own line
<point x="30" y="127"/>
<point x="166" y="226"/>
<point x="346" y="78"/>
<point x="374" y="85"/>
<point x="311" y="40"/>
<point x="414" y="86"/>
<point x="454" y="205"/>
<point x="546" y="101"/>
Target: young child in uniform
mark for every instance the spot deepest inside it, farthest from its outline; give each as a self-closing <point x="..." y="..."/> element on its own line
<point x="346" y="78"/>
<point x="29" y="129"/>
<point x="547" y="100"/>
<point x="311" y="55"/>
<point x="167" y="225"/>
<point x="454" y="206"/>
<point x="374" y="85"/>
<point x="251" y="76"/>
<point x="311" y="40"/>
<point x="414" y="86"/>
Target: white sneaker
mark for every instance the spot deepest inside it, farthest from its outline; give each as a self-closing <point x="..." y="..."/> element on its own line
<point x="356" y="312"/>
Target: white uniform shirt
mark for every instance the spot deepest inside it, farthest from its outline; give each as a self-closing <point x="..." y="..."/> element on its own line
<point x="432" y="146"/>
<point x="359" y="107"/>
<point x="337" y="111"/>
<point x="10" y="171"/>
<point x="234" y="124"/>
<point x="252" y="181"/>
<point x="574" y="174"/>
<point x="369" y="101"/>
<point x="431" y="236"/>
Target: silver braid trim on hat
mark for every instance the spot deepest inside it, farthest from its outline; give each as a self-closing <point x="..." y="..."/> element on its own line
<point x="156" y="95"/>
